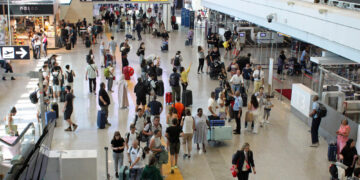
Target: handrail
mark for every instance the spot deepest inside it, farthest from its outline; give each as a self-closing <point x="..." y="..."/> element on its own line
<point x="20" y="136"/>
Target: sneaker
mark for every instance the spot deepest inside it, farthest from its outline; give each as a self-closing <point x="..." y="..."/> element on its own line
<point x="12" y="78"/>
<point x="267" y="122"/>
<point x="75" y="127"/>
<point x="185" y="155"/>
<point x="108" y="124"/>
<point x="68" y="129"/>
<point x="172" y="170"/>
<point x="189" y="156"/>
<point x="117" y="175"/>
<point x="175" y="167"/>
<point x="4" y="78"/>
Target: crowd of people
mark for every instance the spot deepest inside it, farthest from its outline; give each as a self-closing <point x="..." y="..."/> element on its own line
<point x="241" y="89"/>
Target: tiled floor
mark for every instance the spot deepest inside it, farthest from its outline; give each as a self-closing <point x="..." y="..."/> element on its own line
<point x="281" y="150"/>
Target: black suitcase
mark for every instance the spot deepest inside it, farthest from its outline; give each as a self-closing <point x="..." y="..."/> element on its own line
<point x="217" y="91"/>
<point x="159" y="71"/>
<point x="176" y="26"/>
<point x="62" y="96"/>
<point x="87" y="43"/>
<point x="68" y="46"/>
<point x="55" y="107"/>
<point x="159" y="91"/>
<point x="187" y="98"/>
<point x="244" y="99"/>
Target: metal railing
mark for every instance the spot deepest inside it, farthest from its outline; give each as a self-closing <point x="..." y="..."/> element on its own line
<point x="20" y="136"/>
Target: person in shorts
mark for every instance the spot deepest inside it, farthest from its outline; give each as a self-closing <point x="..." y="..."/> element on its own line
<point x="173" y="134"/>
<point x="68" y="109"/>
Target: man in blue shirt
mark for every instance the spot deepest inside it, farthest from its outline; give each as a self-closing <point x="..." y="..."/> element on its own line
<point x="237" y="111"/>
<point x="304" y="57"/>
<point x="316" y="120"/>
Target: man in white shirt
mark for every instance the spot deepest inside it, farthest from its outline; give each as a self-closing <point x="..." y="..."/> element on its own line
<point x="212" y="105"/>
<point x="135" y="160"/>
<point x="236" y="81"/>
<point x="258" y="78"/>
<point x="91" y="74"/>
<point x="112" y="47"/>
<point x="131" y="136"/>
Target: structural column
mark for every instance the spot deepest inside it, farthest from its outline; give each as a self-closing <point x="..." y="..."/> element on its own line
<point x="166" y="16"/>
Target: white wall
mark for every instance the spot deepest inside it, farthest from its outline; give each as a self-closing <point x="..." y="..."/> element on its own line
<point x="337" y="30"/>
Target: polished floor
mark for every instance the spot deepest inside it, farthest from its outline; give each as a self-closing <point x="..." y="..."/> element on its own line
<point x="281" y="149"/>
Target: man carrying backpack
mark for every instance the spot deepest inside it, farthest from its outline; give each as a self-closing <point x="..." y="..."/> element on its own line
<point x="175" y="85"/>
<point x="316" y="115"/>
<point x="56" y="82"/>
<point x="69" y="77"/>
<point x="176" y="61"/>
<point x="139" y="120"/>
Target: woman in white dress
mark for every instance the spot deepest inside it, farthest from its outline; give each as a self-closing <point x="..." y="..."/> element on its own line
<point x="122" y="93"/>
<point x="201" y="127"/>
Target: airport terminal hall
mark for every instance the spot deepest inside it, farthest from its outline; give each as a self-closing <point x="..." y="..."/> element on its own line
<point x="179" y="89"/>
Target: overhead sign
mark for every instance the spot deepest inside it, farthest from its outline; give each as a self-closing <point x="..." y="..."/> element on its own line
<point x="130" y="1"/>
<point x="15" y="52"/>
<point x="29" y="9"/>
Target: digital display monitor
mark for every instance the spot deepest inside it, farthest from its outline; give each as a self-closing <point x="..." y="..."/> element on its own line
<point x="262" y="34"/>
<point x="242" y="34"/>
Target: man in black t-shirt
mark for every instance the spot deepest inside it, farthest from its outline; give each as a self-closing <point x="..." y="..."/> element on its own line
<point x="104" y="101"/>
<point x="173" y="134"/>
<point x="68" y="109"/>
<point x="140" y="91"/>
<point x="155" y="107"/>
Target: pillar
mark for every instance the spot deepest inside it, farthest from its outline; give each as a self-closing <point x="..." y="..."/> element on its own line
<point x="166" y="16"/>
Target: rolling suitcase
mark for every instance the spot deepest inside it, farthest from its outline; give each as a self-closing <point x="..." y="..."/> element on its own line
<point x="124" y="173"/>
<point x="187" y="98"/>
<point x="187" y="43"/>
<point x="128" y="36"/>
<point x="168" y="97"/>
<point x="159" y="88"/>
<point x="244" y="99"/>
<point x="217" y="123"/>
<point x="50" y="116"/>
<point x="101" y="119"/>
<point x="55" y="107"/>
<point x="87" y="43"/>
<point x="176" y="26"/>
<point x="159" y="71"/>
<point x="332" y="150"/>
<point x="219" y="133"/>
<point x="68" y="46"/>
<point x="217" y="92"/>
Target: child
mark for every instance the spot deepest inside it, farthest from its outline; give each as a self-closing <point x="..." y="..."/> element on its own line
<point x="267" y="108"/>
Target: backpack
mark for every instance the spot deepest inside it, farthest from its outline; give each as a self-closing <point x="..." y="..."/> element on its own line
<point x="136" y="118"/>
<point x="107" y="72"/>
<point x="70" y="77"/>
<point x="174" y="80"/>
<point x="56" y="79"/>
<point x="128" y="135"/>
<point x="321" y="111"/>
<point x="33" y="97"/>
<point x="333" y="171"/>
<point x="177" y="61"/>
<point x="226" y="44"/>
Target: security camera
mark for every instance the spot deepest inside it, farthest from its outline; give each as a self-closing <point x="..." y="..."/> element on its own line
<point x="270" y="17"/>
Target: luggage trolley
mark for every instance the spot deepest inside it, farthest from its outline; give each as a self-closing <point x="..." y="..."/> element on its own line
<point x="218" y="131"/>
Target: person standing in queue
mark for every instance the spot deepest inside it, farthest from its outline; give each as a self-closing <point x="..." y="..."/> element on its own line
<point x="316" y="120"/>
<point x="244" y="162"/>
<point x="237" y="109"/>
<point x="104" y="102"/>
<point x="348" y="155"/>
<point x="118" y="146"/>
<point x="173" y="134"/>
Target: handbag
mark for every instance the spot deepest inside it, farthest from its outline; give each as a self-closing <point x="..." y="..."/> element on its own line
<point x="249" y="117"/>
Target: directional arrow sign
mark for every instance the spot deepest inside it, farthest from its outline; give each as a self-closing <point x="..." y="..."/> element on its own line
<point x="22" y="52"/>
<point x="15" y="52"/>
